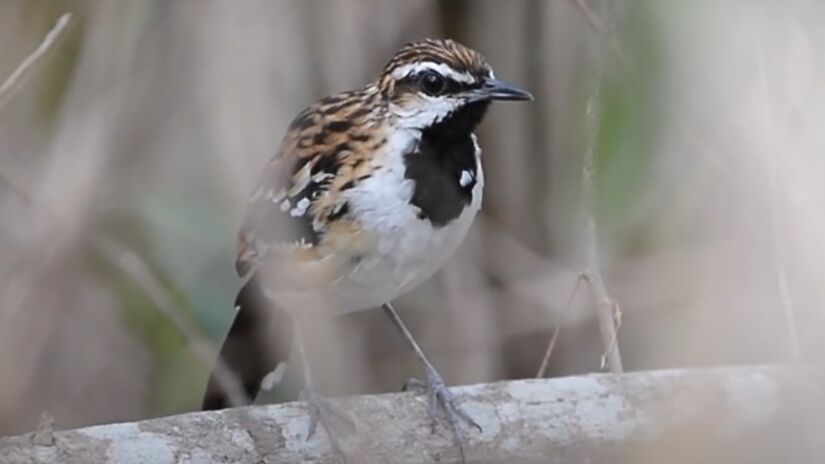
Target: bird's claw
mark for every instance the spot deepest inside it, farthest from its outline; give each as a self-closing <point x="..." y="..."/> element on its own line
<point x="334" y="420"/>
<point x="438" y="394"/>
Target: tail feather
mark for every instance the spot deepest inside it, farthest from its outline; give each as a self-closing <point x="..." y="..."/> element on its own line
<point x="260" y="338"/>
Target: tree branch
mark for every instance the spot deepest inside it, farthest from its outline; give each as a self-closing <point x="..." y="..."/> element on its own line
<point x="740" y="412"/>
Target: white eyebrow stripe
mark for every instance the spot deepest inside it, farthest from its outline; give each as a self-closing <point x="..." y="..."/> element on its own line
<point x="446" y="71"/>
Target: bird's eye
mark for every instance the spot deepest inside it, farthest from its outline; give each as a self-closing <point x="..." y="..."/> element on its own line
<point x="432" y="83"/>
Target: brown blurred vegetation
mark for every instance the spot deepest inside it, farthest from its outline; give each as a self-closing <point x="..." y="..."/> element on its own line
<point x="149" y="121"/>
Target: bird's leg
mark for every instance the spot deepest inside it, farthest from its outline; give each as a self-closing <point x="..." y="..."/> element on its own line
<point x="321" y="410"/>
<point x="437" y="391"/>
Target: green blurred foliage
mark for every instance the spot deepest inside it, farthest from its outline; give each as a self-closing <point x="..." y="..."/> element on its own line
<point x="193" y="243"/>
<point x="191" y="250"/>
<point x="631" y="120"/>
<point x="176" y="372"/>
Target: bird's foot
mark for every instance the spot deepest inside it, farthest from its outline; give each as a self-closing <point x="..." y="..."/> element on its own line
<point x="439" y="395"/>
<point x="332" y="418"/>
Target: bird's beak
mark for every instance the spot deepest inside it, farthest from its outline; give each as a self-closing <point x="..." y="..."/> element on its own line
<point x="494" y="89"/>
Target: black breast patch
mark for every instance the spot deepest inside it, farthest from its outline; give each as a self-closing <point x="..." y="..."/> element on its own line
<point x="444" y="167"/>
<point x="439" y="172"/>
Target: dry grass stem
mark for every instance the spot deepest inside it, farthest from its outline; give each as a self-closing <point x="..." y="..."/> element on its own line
<point x="123" y="258"/>
<point x="597" y="26"/>
<point x="603" y="303"/>
<point x="548" y="353"/>
<point x="23" y="70"/>
<point x="134" y="268"/>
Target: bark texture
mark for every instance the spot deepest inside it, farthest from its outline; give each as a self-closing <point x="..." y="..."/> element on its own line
<point x="742" y="414"/>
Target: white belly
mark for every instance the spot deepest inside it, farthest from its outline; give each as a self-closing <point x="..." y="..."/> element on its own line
<point x="408" y="250"/>
<point x="411" y="250"/>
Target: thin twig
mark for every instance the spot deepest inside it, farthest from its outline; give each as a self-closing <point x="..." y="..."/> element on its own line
<point x="111" y="250"/>
<point x="689" y="133"/>
<point x="7" y="90"/>
<point x="23" y="70"/>
<point x="597" y="26"/>
<point x="548" y="353"/>
<point x="555" y="335"/>
<point x="604" y="305"/>
<point x="135" y="268"/>
<point x="590" y="15"/>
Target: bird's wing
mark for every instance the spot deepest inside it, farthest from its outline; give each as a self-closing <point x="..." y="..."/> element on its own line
<point x="298" y="230"/>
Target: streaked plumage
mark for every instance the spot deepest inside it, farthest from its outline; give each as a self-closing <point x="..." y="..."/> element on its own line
<point x="359" y="204"/>
<point x="369" y="193"/>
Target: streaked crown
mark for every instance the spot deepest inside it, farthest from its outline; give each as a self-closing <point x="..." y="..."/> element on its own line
<point x="448" y="57"/>
<point x="428" y="80"/>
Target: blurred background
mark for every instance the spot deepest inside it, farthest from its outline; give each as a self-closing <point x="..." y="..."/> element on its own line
<point x="127" y="158"/>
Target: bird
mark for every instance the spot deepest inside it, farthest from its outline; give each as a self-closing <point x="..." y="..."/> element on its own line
<point x="369" y="193"/>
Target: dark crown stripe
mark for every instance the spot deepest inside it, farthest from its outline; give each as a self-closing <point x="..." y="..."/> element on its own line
<point x="444" y="51"/>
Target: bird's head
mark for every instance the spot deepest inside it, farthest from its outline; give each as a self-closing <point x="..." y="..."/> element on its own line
<point x="428" y="81"/>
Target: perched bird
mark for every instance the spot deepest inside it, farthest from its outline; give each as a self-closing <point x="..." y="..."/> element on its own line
<point x="369" y="193"/>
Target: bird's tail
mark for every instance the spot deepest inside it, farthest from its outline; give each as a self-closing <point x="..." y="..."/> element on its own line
<point x="259" y="339"/>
